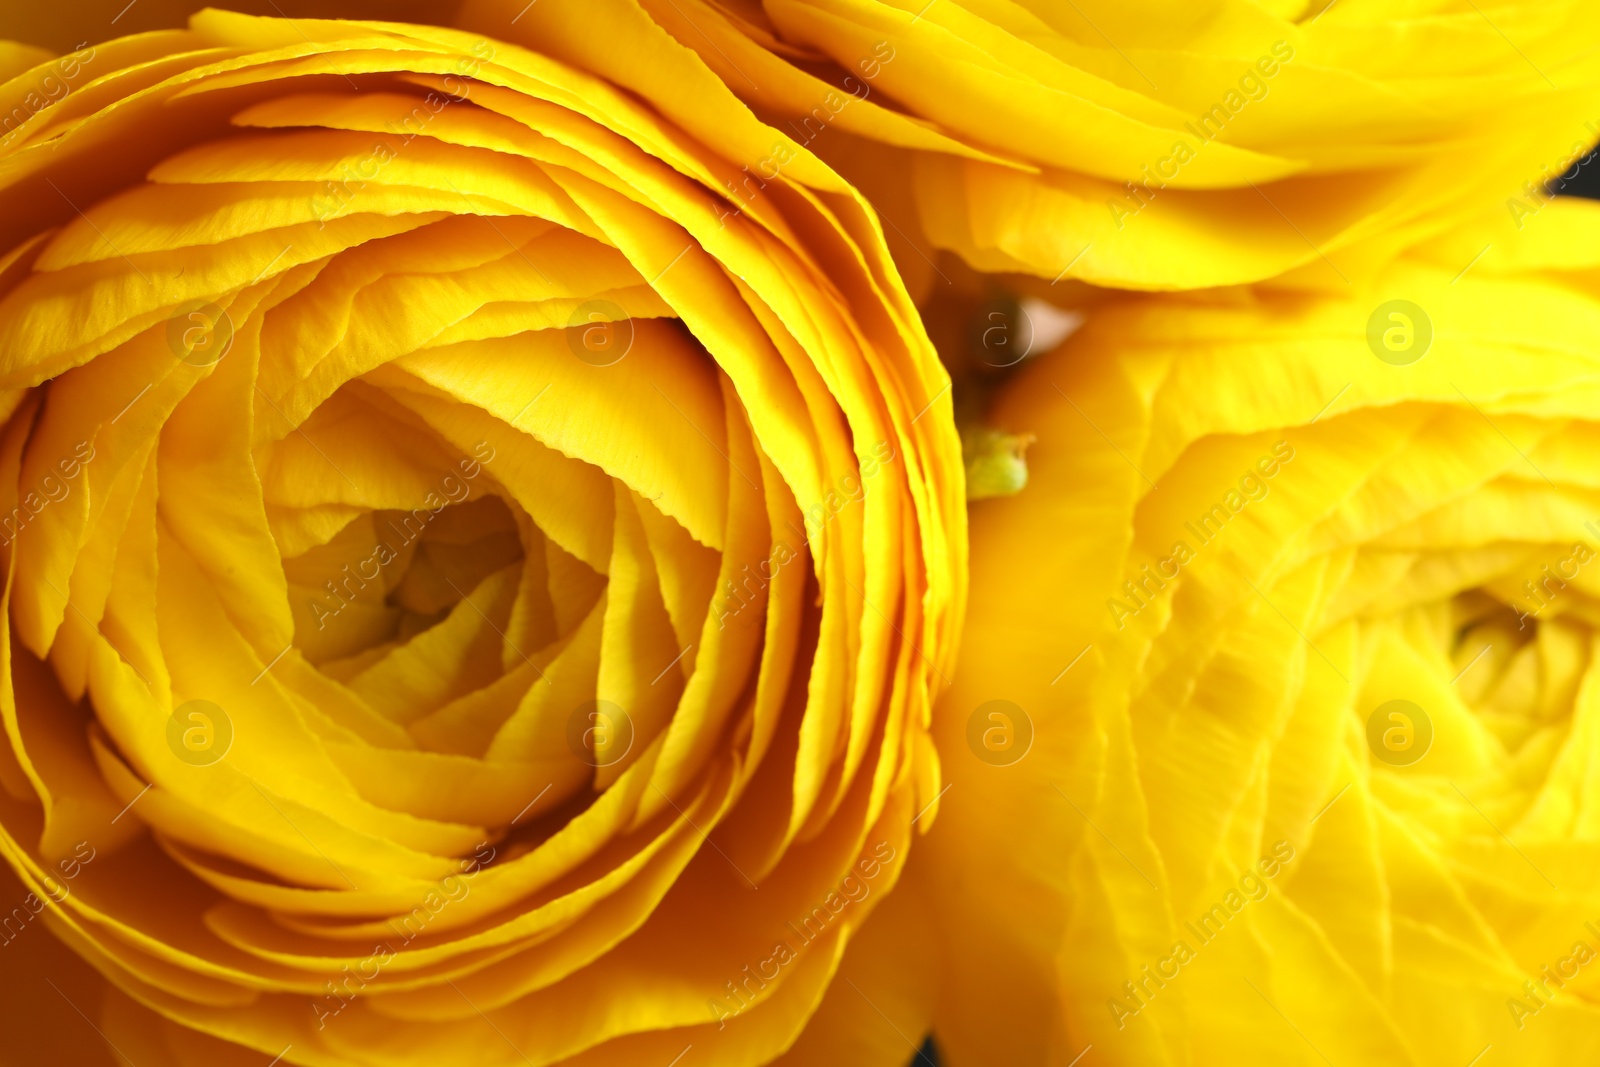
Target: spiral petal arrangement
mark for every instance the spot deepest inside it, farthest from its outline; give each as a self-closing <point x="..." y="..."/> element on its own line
<point x="1314" y="680"/>
<point x="478" y="564"/>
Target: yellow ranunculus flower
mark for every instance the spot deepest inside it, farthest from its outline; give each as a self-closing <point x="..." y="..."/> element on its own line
<point x="456" y="551"/>
<point x="1302" y="603"/>
<point x="1156" y="144"/>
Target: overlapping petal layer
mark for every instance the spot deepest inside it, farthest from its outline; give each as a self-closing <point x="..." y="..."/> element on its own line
<point x="1147" y="145"/>
<point x="456" y="554"/>
<point x="1245" y="536"/>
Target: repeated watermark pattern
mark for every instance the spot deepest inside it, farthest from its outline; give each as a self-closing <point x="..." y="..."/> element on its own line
<point x="1251" y="887"/>
<point x="1536" y="993"/>
<point x="451" y="889"/>
<point x="1142" y="590"/>
<point x="849" y="489"/>
<point x="54" y="86"/>
<point x="337" y="195"/>
<point x="741" y="992"/>
<point x="1207" y="127"/>
<point x="808" y="130"/>
<point x="53" y="488"/>
<point x="1552" y="579"/>
<point x="56" y="891"/>
<point x="354" y="577"/>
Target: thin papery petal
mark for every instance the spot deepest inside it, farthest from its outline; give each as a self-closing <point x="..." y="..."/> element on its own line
<point x="491" y="579"/>
<point x="1238" y="851"/>
<point x="1147" y="146"/>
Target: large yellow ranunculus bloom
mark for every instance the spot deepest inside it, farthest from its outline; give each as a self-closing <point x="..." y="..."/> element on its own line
<point x="1302" y="604"/>
<point x="474" y="586"/>
<point x="1155" y="144"/>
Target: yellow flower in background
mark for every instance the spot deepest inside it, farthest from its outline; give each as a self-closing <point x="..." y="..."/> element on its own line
<point x="1149" y="145"/>
<point x="1300" y="608"/>
<point x="456" y="552"/>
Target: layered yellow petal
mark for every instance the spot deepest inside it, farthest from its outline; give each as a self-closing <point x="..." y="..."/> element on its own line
<point x="1297" y="609"/>
<point x="1150" y="145"/>
<point x="478" y="584"/>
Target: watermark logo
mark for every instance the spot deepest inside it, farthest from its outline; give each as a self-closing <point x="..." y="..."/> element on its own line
<point x="199" y="733"/>
<point x="999" y="732"/>
<point x="200" y="333"/>
<point x="599" y="732"/>
<point x="1002" y="333"/>
<point x="1399" y="332"/>
<point x="600" y="333"/>
<point x="1006" y="331"/>
<point x="1399" y="733"/>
